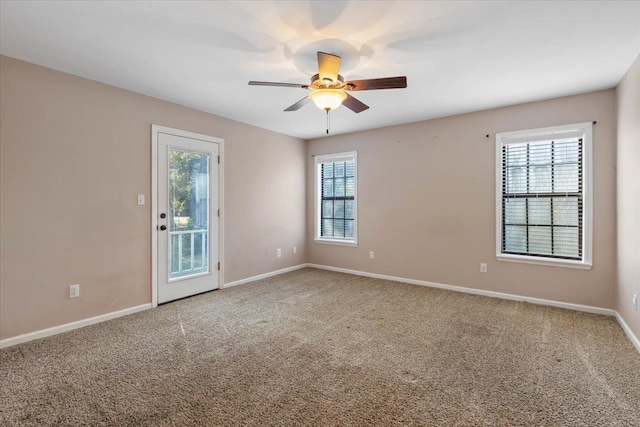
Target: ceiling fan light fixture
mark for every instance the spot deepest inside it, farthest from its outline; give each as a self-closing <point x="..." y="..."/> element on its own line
<point x="328" y="99"/>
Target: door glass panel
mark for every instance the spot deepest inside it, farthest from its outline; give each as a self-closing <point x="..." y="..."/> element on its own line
<point x="188" y="213"/>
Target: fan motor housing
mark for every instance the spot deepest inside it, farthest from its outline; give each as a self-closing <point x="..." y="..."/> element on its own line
<point x="317" y="83"/>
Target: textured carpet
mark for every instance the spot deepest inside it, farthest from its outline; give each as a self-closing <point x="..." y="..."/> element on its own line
<point x="314" y="347"/>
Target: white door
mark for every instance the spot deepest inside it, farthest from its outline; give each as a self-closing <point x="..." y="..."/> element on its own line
<point x="187" y="215"/>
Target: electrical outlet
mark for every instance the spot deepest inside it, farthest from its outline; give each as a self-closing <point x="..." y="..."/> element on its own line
<point x="635" y="302"/>
<point x="278" y="252"/>
<point x="371" y="256"/>
<point x="74" y="291"/>
<point x="483" y="267"/>
<point x="295" y="250"/>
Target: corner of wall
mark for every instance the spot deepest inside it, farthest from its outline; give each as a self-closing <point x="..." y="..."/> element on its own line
<point x="627" y="278"/>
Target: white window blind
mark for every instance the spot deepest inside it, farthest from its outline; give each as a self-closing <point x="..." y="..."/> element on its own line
<point x="542" y="198"/>
<point x="336" y="198"/>
<point x="542" y="201"/>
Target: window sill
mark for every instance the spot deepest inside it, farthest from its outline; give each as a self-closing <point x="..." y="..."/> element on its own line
<point x="544" y="261"/>
<point x="336" y="242"/>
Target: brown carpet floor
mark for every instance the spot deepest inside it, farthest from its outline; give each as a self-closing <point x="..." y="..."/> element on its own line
<point x="320" y="348"/>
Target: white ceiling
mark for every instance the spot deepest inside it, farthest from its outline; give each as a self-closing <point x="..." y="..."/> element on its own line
<point x="457" y="56"/>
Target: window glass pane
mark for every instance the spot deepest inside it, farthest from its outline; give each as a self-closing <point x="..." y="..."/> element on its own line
<point x="517" y="180"/>
<point x="515" y="211"/>
<point x="338" y="209"/>
<point x="539" y="179"/>
<point x="566" y="151"/>
<point x="327" y="170"/>
<point x="349" y="210"/>
<point x="540" y="210"/>
<point x="566" y="178"/>
<point x="351" y="187"/>
<point x="516" y="155"/>
<point x="540" y="153"/>
<point x="327" y="188"/>
<point x="349" y="229"/>
<point x="338" y="228"/>
<point x="565" y="241"/>
<point x="515" y="238"/>
<point x="327" y="208"/>
<point x="327" y="228"/>
<point x="339" y="187"/>
<point x="565" y="211"/>
<point x="540" y="240"/>
<point x="338" y="170"/>
<point x="351" y="168"/>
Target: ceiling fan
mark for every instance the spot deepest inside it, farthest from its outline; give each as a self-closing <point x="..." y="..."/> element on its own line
<point x="329" y="90"/>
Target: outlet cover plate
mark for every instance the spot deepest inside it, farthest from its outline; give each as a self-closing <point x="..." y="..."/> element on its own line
<point x="74" y="291"/>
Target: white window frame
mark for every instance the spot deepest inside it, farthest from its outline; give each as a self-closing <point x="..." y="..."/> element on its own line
<point x="583" y="130"/>
<point x="328" y="158"/>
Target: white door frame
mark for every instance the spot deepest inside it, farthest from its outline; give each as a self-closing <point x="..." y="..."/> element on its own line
<point x="155" y="130"/>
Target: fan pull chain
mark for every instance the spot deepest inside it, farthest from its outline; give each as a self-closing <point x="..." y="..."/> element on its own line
<point x="328" y="120"/>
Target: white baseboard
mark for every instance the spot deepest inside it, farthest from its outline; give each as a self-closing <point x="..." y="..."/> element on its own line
<point x="8" y="342"/>
<point x="70" y="326"/>
<point x="104" y="317"/>
<point x="627" y="330"/>
<point x="263" y="276"/>
<point x="492" y="294"/>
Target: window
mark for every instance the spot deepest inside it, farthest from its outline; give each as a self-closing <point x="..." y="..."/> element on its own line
<point x="543" y="184"/>
<point x="336" y="202"/>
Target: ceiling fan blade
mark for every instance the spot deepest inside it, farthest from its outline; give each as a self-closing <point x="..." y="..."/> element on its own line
<point x="304" y="101"/>
<point x="354" y="105"/>
<point x="252" y="83"/>
<point x="328" y="66"/>
<point x="373" y="84"/>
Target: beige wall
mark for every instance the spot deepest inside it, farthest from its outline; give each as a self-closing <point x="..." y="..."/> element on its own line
<point x="74" y="155"/>
<point x="427" y="201"/>
<point x="628" y="96"/>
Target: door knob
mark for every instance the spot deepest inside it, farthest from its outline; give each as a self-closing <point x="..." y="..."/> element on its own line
<point x="163" y="227"/>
